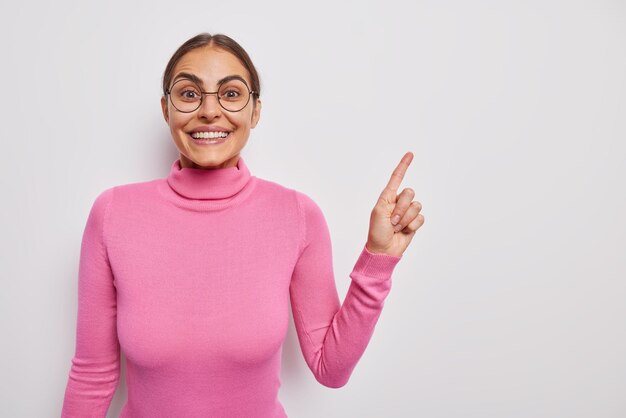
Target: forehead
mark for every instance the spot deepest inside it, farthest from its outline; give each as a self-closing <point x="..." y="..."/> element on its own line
<point x="210" y="64"/>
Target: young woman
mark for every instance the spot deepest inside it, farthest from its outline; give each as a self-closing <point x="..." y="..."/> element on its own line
<point x="191" y="275"/>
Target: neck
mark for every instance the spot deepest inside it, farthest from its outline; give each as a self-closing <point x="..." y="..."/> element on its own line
<point x="187" y="163"/>
<point x="208" y="184"/>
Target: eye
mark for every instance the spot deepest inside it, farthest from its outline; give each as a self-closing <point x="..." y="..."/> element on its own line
<point x="189" y="94"/>
<point x="233" y="91"/>
<point x="231" y="94"/>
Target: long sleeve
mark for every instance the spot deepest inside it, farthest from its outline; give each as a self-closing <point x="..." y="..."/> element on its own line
<point x="94" y="372"/>
<point x="333" y="337"/>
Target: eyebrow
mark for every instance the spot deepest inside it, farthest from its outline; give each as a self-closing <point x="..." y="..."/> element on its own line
<point x="198" y="81"/>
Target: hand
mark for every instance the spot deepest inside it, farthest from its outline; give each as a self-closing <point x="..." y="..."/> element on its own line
<point x="382" y="237"/>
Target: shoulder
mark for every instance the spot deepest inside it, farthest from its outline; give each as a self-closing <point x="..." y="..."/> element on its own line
<point x="137" y="188"/>
<point x="132" y="193"/>
<point x="301" y="201"/>
<point x="265" y="186"/>
<point x="300" y="208"/>
<point x="100" y="205"/>
<point x="122" y="194"/>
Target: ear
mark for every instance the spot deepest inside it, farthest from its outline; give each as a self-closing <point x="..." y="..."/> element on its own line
<point x="256" y="113"/>
<point x="166" y="114"/>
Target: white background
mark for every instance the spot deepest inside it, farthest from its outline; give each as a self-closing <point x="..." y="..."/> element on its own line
<point x="511" y="299"/>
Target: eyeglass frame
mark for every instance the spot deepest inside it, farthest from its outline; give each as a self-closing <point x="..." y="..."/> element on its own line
<point x="251" y="93"/>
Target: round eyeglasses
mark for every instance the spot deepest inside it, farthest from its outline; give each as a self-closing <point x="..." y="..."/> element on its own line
<point x="186" y="96"/>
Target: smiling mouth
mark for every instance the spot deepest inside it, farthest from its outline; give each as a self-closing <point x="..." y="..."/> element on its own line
<point x="209" y="135"/>
<point x="205" y="138"/>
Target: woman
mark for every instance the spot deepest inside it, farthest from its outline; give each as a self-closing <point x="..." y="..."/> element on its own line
<point x="191" y="275"/>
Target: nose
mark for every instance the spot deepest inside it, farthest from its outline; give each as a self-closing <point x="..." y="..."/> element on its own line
<point x="210" y="106"/>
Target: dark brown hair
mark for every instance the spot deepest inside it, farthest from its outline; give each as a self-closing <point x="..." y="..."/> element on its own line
<point x="218" y="40"/>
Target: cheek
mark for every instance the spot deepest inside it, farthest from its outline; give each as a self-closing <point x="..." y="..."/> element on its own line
<point x="178" y="121"/>
<point x="244" y="119"/>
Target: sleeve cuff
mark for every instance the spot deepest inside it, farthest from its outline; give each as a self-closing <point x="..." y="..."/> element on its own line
<point x="376" y="265"/>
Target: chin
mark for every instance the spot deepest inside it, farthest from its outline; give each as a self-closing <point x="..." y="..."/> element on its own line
<point x="207" y="162"/>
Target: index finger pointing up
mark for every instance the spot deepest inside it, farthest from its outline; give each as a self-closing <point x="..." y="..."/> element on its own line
<point x="398" y="174"/>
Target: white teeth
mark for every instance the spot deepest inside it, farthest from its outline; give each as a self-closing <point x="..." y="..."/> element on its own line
<point x="198" y="135"/>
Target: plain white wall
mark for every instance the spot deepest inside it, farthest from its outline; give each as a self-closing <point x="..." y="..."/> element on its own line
<point x="510" y="301"/>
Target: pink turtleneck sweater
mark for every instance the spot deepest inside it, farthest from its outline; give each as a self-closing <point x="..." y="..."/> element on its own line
<point x="191" y="276"/>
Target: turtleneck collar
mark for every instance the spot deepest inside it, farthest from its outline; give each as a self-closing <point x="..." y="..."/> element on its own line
<point x="218" y="183"/>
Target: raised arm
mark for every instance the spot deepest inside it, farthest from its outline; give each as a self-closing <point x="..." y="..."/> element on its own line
<point x="94" y="372"/>
<point x="333" y="337"/>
